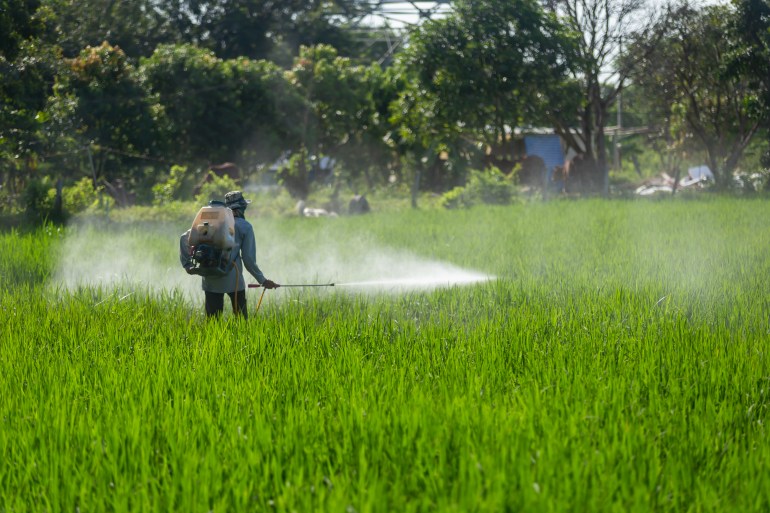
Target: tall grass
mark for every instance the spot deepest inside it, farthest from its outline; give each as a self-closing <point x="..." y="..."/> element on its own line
<point x="617" y="363"/>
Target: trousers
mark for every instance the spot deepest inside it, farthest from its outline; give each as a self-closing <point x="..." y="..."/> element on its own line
<point x="215" y="303"/>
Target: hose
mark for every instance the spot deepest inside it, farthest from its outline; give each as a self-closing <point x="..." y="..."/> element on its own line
<point x="260" y="300"/>
<point x="235" y="293"/>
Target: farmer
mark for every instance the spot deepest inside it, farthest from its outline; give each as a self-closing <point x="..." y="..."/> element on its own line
<point x="245" y="253"/>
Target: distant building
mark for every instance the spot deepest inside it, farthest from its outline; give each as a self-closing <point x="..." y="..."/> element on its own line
<point x="548" y="147"/>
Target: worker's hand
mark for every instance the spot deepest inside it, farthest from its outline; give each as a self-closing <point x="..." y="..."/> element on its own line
<point x="189" y="269"/>
<point x="270" y="284"/>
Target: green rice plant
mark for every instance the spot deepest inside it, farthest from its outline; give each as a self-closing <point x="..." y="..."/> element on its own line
<point x="28" y="260"/>
<point x="616" y="362"/>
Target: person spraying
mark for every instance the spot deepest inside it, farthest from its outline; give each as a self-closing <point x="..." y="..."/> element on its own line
<point x="217" y="247"/>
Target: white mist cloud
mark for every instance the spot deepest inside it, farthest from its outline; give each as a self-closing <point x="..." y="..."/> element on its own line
<point x="138" y="259"/>
<point x="374" y="270"/>
<point x="145" y="258"/>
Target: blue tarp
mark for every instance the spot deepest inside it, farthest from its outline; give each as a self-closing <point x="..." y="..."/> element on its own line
<point x="547" y="147"/>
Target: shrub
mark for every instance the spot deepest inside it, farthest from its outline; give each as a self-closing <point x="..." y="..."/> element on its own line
<point x="9" y="203"/>
<point x="490" y="187"/>
<point x="169" y="189"/>
<point x="456" y="198"/>
<point x="38" y="200"/>
<point x="216" y="189"/>
<point x="80" y="196"/>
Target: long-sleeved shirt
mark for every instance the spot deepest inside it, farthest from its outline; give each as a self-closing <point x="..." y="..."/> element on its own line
<point x="245" y="251"/>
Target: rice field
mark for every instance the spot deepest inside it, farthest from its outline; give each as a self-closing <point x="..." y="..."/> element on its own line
<point x="615" y="360"/>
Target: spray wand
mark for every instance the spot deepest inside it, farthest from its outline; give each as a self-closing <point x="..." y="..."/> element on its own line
<point x="257" y="285"/>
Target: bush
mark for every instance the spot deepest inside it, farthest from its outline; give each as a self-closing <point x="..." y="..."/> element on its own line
<point x="216" y="188"/>
<point x="9" y="203"/>
<point x="170" y="189"/>
<point x="38" y="200"/>
<point x="456" y="198"/>
<point x="490" y="187"/>
<point x="80" y="196"/>
<point x="749" y="183"/>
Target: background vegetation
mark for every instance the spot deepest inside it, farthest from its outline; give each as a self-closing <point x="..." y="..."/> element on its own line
<point x="147" y="94"/>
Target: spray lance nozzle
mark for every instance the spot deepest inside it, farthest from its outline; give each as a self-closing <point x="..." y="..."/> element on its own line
<point x="257" y="285"/>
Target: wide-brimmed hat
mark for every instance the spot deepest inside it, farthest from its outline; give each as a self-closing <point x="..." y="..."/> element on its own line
<point x="235" y="200"/>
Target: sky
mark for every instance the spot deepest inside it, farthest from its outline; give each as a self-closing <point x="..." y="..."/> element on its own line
<point x="402" y="14"/>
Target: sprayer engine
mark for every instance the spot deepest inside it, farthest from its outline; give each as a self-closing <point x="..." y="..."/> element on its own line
<point x="210" y="261"/>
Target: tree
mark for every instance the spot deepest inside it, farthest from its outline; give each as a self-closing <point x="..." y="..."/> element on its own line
<point x="260" y="29"/>
<point x="25" y="85"/>
<point x="489" y="67"/>
<point x="27" y="70"/>
<point x="341" y="119"/>
<point x="257" y="29"/>
<point x="753" y="61"/>
<point x="136" y="27"/>
<point x="101" y="105"/>
<point x="222" y="110"/>
<point x="20" y="21"/>
<point x="752" y="25"/>
<point x="692" y="72"/>
<point x="603" y="27"/>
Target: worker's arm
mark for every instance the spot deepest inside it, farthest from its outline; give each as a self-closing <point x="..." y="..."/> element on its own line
<point x="184" y="250"/>
<point x="249" y="253"/>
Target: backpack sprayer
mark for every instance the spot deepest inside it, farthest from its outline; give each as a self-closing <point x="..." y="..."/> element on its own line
<point x="211" y="240"/>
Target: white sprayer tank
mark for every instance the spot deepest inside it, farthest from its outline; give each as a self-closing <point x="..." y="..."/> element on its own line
<point x="214" y="225"/>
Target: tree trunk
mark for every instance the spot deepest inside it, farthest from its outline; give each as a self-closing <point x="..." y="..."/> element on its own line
<point x="677" y="176"/>
<point x="599" y="145"/>
<point x="58" y="207"/>
<point x="416" y="186"/>
<point x="601" y="160"/>
<point x="738" y="148"/>
<point x="714" y="166"/>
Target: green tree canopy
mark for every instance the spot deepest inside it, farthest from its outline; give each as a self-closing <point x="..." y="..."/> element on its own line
<point x="100" y="103"/>
<point x="27" y="71"/>
<point x="487" y="68"/>
<point x="256" y="29"/>
<point x="20" y="21"/>
<point x="222" y="110"/>
<point x="753" y="60"/>
<point x="137" y="27"/>
<point x="692" y="73"/>
<point x="344" y="106"/>
<point x="601" y="29"/>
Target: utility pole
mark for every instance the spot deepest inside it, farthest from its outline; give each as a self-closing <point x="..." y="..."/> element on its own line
<point x="619" y="123"/>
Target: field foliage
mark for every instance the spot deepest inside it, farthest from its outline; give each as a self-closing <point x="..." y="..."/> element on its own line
<point x="616" y="362"/>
